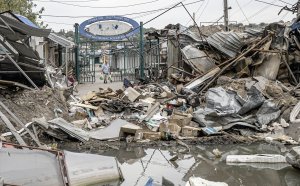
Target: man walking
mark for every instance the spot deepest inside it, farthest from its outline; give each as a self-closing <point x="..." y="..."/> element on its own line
<point x="106" y="71"/>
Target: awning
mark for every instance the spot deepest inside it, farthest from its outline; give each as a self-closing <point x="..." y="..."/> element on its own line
<point x="60" y="40"/>
<point x="22" y="28"/>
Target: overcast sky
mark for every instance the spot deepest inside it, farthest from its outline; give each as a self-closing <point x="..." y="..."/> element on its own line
<point x="206" y="10"/>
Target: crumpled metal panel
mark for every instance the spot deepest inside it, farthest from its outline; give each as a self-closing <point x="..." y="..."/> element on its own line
<point x="188" y="32"/>
<point x="70" y="129"/>
<point x="254" y="32"/>
<point x="89" y="169"/>
<point x="222" y="101"/>
<point x="267" y="113"/>
<point x="29" y="167"/>
<point x="228" y="43"/>
<point x="198" y="60"/>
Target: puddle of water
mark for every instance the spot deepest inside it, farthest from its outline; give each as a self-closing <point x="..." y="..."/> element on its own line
<point x="138" y="165"/>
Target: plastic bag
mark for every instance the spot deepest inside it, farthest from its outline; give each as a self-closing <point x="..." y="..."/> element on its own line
<point x="101" y="77"/>
<point x="109" y="78"/>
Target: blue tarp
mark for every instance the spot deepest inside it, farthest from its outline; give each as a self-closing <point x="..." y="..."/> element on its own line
<point x="26" y="21"/>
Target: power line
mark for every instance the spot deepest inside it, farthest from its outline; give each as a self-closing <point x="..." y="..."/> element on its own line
<point x="243" y="6"/>
<point x="97" y="7"/>
<point x="279" y="18"/>
<point x="83" y="1"/>
<point x="260" y="11"/>
<point x="56" y="23"/>
<point x="135" y="13"/>
<point x="150" y="13"/>
<point x="285" y="2"/>
<point x="269" y="3"/>
<point x="203" y="9"/>
<point x="196" y="12"/>
<point x="69" y="1"/>
<point x="242" y="10"/>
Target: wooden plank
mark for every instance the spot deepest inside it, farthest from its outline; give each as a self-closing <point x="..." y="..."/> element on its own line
<point x="20" y="123"/>
<point x="12" y="129"/>
<point x="84" y="106"/>
<point x="199" y="81"/>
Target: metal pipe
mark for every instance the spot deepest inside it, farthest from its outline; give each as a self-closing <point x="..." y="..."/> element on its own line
<point x="141" y="51"/>
<point x="21" y="70"/>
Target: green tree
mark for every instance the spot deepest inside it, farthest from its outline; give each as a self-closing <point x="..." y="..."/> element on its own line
<point x="22" y="7"/>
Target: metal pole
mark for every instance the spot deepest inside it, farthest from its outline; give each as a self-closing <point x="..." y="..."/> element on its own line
<point x="298" y="8"/>
<point x="141" y="51"/>
<point x="86" y="62"/>
<point x="124" y="58"/>
<point x="226" y="15"/>
<point x="94" y="67"/>
<point x="66" y="62"/>
<point x="21" y="70"/>
<point x="158" y="56"/>
<point x="77" y="71"/>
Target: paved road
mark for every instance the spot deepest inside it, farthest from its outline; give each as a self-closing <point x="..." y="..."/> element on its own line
<point x="86" y="87"/>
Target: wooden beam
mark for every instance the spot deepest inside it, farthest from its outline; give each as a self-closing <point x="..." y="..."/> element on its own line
<point x="20" y="123"/>
<point x="12" y="129"/>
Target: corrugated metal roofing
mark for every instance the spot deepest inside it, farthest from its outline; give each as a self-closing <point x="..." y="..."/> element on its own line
<point x="22" y="28"/>
<point x="198" y="60"/>
<point x="60" y="40"/>
<point x="228" y="43"/>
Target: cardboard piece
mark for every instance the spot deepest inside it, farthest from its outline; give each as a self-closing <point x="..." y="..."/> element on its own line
<point x="180" y="119"/>
<point x="131" y="94"/>
<point x="129" y="129"/>
<point x="151" y="135"/>
<point x="169" y="128"/>
<point x="188" y="131"/>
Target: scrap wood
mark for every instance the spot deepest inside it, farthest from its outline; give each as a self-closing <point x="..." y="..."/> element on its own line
<point x="201" y="79"/>
<point x="19" y="131"/>
<point x="286" y="62"/>
<point x="20" y="123"/>
<point x="84" y="105"/>
<point x="99" y="99"/>
<point x="12" y="129"/>
<point x="153" y="110"/>
<point x="88" y="96"/>
<point x="233" y="62"/>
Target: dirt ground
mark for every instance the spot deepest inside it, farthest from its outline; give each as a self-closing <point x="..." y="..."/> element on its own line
<point x="96" y="146"/>
<point x="28" y="104"/>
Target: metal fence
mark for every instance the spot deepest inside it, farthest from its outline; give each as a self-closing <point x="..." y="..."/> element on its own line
<point x="125" y="62"/>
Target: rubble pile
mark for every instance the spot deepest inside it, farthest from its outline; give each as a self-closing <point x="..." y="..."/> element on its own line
<point x="245" y="85"/>
<point x="232" y="83"/>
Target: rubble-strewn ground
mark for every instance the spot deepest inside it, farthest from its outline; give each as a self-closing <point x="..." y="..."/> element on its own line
<point x="84" y="88"/>
<point x="28" y="104"/>
<point x="97" y="146"/>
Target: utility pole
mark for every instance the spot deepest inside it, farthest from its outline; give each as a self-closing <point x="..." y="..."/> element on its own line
<point x="194" y="17"/>
<point x="226" y="15"/>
